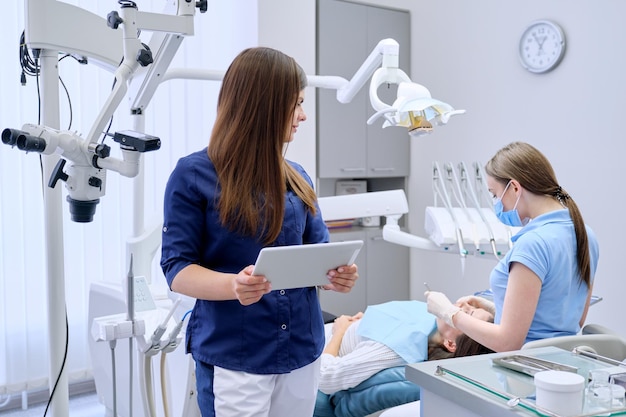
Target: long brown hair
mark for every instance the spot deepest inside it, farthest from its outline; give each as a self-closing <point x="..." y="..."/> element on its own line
<point x="466" y="346"/>
<point x="255" y="109"/>
<point x="524" y="163"/>
<point x="437" y="350"/>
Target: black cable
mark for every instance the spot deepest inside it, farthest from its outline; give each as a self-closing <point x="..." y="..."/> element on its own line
<point x="29" y="65"/>
<point x="56" y="383"/>
<point x="67" y="93"/>
<point x="69" y="103"/>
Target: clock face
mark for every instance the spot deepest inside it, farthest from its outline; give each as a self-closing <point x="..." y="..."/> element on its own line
<point x="541" y="46"/>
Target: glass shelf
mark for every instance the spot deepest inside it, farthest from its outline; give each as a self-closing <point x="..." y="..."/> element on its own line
<point x="510" y="385"/>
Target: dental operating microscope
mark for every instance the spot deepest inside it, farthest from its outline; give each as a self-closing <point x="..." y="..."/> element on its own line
<point x="81" y="162"/>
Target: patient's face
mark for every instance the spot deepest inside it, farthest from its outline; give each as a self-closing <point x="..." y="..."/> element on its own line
<point x="450" y="333"/>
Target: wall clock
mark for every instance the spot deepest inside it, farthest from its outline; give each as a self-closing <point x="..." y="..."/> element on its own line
<point x="541" y="46"/>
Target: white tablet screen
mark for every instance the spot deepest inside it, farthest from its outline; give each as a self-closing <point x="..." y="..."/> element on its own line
<point x="301" y="266"/>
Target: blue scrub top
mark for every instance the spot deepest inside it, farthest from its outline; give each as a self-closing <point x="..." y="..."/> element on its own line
<point x="547" y="246"/>
<point x="284" y="330"/>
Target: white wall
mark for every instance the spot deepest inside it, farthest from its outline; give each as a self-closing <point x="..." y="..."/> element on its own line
<point x="466" y="54"/>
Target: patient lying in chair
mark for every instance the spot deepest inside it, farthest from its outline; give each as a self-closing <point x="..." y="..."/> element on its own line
<point x="362" y="366"/>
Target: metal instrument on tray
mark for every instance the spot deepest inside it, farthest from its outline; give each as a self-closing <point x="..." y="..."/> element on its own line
<point x="529" y="365"/>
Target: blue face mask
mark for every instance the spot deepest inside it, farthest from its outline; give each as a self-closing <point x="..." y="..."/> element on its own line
<point x="511" y="217"/>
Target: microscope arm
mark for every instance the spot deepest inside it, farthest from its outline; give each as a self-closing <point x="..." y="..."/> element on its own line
<point x="136" y="53"/>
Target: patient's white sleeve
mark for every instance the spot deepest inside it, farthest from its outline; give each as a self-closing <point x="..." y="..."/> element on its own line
<point x="367" y="358"/>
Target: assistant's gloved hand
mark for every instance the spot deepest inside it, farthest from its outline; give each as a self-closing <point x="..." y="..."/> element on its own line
<point x="478" y="302"/>
<point x="440" y="306"/>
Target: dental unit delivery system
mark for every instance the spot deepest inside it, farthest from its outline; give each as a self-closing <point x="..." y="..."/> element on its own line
<point x="81" y="162"/>
<point x="463" y="213"/>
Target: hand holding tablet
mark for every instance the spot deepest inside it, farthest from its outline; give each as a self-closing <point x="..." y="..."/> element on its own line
<point x="301" y="266"/>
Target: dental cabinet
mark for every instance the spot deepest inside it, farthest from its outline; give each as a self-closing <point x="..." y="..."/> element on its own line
<point x="383" y="274"/>
<point x="474" y="386"/>
<point x="350" y="149"/>
<point x="347" y="147"/>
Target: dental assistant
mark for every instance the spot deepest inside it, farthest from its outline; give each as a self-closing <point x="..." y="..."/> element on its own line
<point x="543" y="285"/>
<point x="256" y="350"/>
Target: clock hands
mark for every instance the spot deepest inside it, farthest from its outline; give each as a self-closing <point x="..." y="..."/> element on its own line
<point x="540" y="42"/>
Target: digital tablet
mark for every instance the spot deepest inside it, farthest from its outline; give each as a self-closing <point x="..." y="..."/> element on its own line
<point x="301" y="266"/>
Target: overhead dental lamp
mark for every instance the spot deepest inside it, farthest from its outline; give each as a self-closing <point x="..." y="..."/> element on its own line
<point x="414" y="107"/>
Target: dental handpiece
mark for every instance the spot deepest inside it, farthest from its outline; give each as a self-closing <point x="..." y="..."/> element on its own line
<point x="427" y="287"/>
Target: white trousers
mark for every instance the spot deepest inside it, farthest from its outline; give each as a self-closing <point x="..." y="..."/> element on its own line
<point x="242" y="394"/>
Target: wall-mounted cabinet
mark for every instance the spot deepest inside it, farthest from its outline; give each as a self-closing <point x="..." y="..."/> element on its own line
<point x="347" y="146"/>
<point x="383" y="274"/>
<point x="350" y="149"/>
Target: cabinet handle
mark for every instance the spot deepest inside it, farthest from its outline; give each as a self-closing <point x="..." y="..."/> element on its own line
<point x="383" y="169"/>
<point x="353" y="169"/>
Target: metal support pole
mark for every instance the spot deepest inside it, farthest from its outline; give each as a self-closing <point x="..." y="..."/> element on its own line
<point x="53" y="223"/>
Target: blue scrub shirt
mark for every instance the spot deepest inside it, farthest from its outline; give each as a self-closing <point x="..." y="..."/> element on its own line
<point x="281" y="332"/>
<point x="547" y="246"/>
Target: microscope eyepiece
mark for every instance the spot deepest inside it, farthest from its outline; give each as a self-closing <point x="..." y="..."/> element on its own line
<point x="28" y="143"/>
<point x="23" y="141"/>
<point x="9" y="136"/>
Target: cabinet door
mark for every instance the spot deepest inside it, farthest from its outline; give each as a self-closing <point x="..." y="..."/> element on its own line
<point x="341" y="128"/>
<point x="356" y="300"/>
<point x="388" y="152"/>
<point x="387" y="269"/>
<point x="347" y="147"/>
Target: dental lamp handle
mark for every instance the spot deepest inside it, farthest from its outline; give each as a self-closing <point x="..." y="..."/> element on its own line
<point x="391" y="75"/>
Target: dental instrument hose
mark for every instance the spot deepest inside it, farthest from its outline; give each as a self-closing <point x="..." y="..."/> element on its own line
<point x="155" y="341"/>
<point x="166" y="406"/>
<point x="169" y="347"/>
<point x="112" y="344"/>
<point x="147" y="396"/>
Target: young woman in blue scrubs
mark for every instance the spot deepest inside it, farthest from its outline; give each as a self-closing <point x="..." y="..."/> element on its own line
<point x="542" y="287"/>
<point x="256" y="350"/>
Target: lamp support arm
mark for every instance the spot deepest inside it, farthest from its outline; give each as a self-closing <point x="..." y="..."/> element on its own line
<point x="385" y="52"/>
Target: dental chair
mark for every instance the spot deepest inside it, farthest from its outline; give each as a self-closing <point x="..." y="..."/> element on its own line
<point x="593" y="328"/>
<point x="609" y="345"/>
